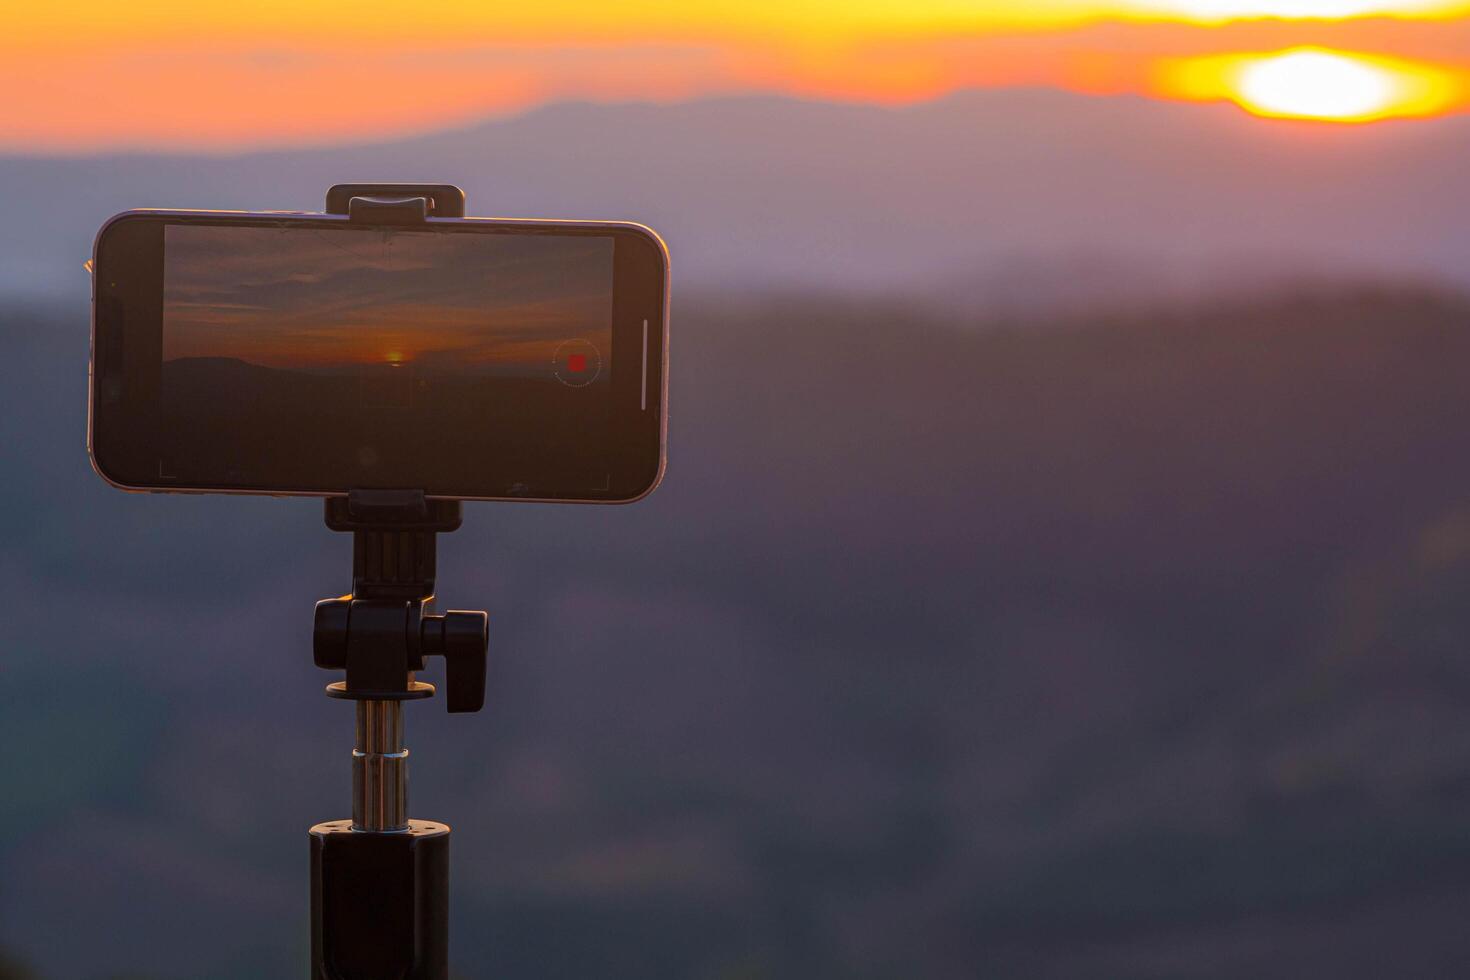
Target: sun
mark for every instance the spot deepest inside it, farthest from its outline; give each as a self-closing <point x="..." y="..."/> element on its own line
<point x="1308" y="84"/>
<point x="1337" y="86"/>
<point x="1315" y="83"/>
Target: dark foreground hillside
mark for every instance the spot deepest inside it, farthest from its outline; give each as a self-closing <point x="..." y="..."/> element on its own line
<point x="1122" y="648"/>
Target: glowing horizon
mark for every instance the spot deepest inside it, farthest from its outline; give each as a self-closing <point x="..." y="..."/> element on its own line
<point x="176" y="75"/>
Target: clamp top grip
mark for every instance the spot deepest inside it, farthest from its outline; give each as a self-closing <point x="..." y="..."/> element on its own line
<point x="441" y="200"/>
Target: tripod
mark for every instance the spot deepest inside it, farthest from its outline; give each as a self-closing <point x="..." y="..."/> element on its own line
<point x="379" y="881"/>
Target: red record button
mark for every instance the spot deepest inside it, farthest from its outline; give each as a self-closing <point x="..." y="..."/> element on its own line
<point x="576" y="363"/>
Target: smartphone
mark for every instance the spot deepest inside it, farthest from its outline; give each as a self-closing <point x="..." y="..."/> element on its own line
<point x="470" y="358"/>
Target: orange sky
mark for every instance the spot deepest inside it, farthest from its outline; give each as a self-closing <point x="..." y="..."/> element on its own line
<point x="87" y="75"/>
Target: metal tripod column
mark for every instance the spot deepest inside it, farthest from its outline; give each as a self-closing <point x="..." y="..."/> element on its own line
<point x="379" y="768"/>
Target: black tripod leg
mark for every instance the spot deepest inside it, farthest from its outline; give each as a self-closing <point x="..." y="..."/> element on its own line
<point x="379" y="902"/>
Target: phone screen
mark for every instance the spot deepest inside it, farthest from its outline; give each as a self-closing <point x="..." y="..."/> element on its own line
<point x="316" y="357"/>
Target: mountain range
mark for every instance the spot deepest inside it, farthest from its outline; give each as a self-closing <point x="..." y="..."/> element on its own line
<point x="998" y="200"/>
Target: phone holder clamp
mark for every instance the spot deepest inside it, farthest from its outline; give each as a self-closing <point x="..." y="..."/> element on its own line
<point x="382" y="633"/>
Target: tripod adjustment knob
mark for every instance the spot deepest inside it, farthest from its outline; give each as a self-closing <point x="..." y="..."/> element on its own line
<point x="329" y="635"/>
<point x="462" y="638"/>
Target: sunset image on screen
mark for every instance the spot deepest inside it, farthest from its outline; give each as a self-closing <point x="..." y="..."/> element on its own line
<point x="339" y="299"/>
<point x="307" y="355"/>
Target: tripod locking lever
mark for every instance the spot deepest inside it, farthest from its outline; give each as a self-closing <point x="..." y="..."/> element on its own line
<point x="463" y="639"/>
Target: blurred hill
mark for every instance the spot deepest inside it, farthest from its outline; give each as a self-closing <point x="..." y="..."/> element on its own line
<point x="999" y="200"/>
<point x="1128" y="645"/>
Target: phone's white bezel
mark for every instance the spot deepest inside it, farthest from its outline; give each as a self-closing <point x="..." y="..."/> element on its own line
<point x="663" y="398"/>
